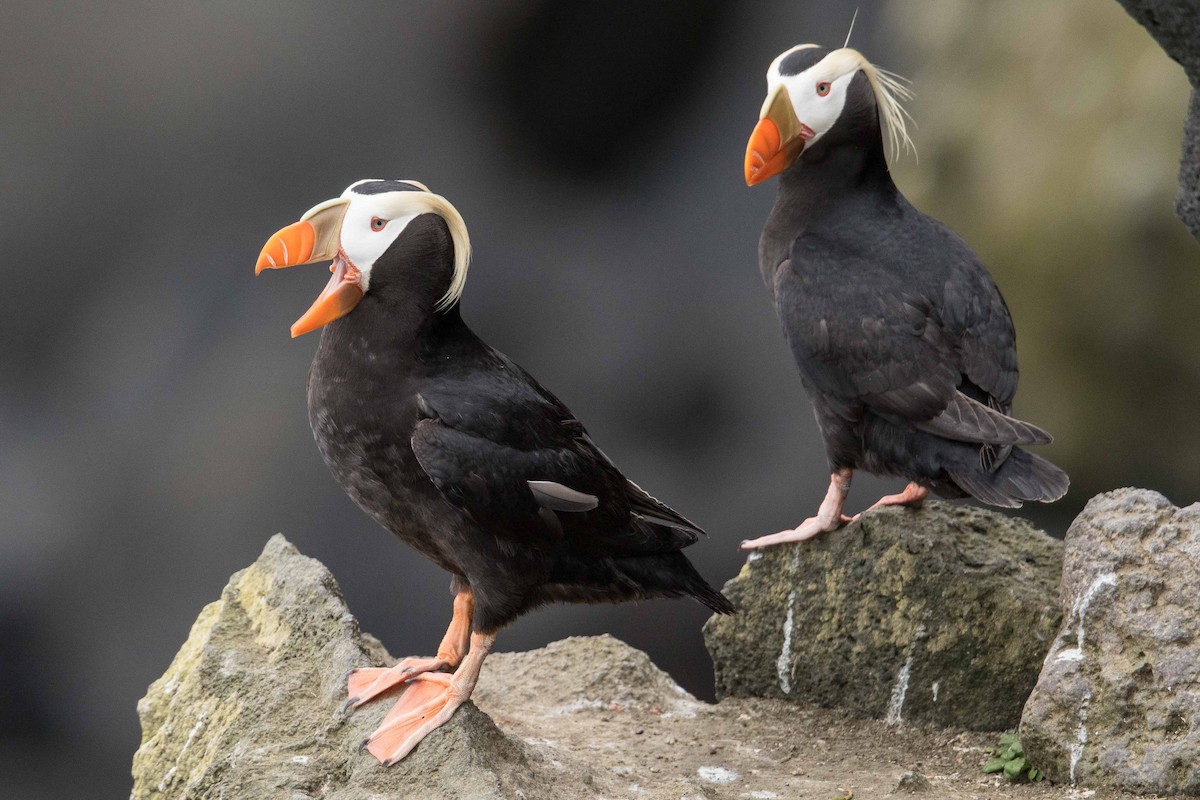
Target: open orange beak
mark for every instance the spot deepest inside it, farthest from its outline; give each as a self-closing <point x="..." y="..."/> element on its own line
<point x="316" y="237"/>
<point x="777" y="141"/>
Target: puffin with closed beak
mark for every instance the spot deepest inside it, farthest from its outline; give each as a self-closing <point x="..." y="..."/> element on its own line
<point x="900" y="335"/>
<point x="457" y="450"/>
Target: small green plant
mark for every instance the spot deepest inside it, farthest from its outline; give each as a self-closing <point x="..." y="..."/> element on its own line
<point x="1009" y="758"/>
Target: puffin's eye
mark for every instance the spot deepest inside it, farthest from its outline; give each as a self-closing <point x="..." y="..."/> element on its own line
<point x="823" y="88"/>
<point x="378" y="223"/>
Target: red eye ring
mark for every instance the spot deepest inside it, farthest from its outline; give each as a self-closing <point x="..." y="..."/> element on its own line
<point x="822" y="88"/>
<point x="378" y="223"/>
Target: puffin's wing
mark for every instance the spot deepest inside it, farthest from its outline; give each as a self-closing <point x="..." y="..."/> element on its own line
<point x="501" y="434"/>
<point x="973" y="311"/>
<point x="880" y="347"/>
<point x="891" y="350"/>
<point x="969" y="420"/>
<point x="512" y="493"/>
<point x="642" y="505"/>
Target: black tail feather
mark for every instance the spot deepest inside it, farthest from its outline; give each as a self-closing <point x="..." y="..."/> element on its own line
<point x="1022" y="476"/>
<point x="672" y="575"/>
<point x="710" y="597"/>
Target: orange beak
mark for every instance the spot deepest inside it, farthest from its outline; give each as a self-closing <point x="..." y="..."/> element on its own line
<point x="777" y="141"/>
<point x="288" y="247"/>
<point x="337" y="299"/>
<point x="317" y="237"/>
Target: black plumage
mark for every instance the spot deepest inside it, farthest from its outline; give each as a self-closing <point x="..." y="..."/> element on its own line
<point x="458" y="451"/>
<point x="901" y="337"/>
<point x="437" y="435"/>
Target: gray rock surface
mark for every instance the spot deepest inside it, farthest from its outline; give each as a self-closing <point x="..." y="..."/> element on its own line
<point x="251" y="708"/>
<point x="940" y="615"/>
<point x="1118" y="700"/>
<point x="1175" y="25"/>
<point x="1187" y="204"/>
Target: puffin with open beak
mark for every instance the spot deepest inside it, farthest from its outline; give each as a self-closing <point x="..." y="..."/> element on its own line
<point x="457" y="450"/>
<point x="900" y="335"/>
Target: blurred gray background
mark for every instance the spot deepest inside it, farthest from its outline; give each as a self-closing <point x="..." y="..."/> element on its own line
<point x="152" y="406"/>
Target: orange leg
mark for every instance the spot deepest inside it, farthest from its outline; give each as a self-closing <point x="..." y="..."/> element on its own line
<point x="428" y="702"/>
<point x="912" y="496"/>
<point x="363" y="684"/>
<point x="829" y="516"/>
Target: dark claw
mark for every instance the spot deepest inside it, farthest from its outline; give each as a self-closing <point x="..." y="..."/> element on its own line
<point x="363" y="745"/>
<point x="348" y="705"/>
<point x="387" y="763"/>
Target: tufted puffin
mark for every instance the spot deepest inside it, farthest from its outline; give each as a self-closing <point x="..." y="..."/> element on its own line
<point x="900" y="335"/>
<point x="457" y="450"/>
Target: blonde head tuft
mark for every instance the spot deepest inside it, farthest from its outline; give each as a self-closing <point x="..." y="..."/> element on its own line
<point x="426" y="201"/>
<point x="889" y="89"/>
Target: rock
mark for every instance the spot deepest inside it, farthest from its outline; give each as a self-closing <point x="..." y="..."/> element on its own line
<point x="941" y="615"/>
<point x="1118" y="700"/>
<point x="585" y="672"/>
<point x="912" y="782"/>
<point x="251" y="708"/>
<point x="1175" y="25"/>
<point x="1187" y="202"/>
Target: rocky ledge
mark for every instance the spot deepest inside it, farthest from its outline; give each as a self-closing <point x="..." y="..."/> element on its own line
<point x="252" y="705"/>
<point x="1118" y="700"/>
<point x="940" y="615"/>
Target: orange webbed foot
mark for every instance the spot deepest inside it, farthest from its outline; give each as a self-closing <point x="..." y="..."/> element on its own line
<point x="368" y="682"/>
<point x="428" y="702"/>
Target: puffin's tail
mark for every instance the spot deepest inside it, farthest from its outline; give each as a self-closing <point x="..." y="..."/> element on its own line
<point x="671" y="575"/>
<point x="1019" y="477"/>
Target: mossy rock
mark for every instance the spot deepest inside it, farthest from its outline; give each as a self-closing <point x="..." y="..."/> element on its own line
<point x="939" y="615"/>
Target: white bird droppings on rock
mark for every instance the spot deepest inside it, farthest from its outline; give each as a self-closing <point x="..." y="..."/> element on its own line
<point x="899" y="690"/>
<point x="783" y="665"/>
<point x="985" y="587"/>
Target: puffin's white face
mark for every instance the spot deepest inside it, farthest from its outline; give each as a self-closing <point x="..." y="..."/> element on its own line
<point x="817" y="95"/>
<point x="354" y="230"/>
<point x="373" y="221"/>
<point x="805" y="97"/>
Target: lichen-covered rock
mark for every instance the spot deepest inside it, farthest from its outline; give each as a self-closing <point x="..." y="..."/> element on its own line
<point x="941" y="615"/>
<point x="251" y="707"/>
<point x="1118" y="700"/>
